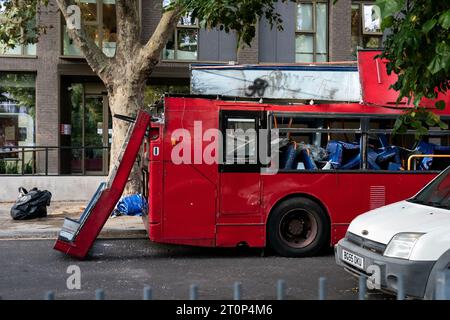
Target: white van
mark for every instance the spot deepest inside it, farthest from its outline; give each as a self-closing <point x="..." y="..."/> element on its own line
<point x="408" y="239"/>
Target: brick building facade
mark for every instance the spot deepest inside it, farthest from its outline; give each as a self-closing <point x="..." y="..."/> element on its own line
<point x="313" y="31"/>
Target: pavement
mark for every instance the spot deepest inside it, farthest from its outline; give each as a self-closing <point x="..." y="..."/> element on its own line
<point x="49" y="227"/>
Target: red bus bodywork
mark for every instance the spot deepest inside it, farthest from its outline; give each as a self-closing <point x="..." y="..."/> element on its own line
<point x="196" y="204"/>
<point x="206" y="205"/>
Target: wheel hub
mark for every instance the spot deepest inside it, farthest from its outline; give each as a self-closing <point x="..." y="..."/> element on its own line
<point x="296" y="227"/>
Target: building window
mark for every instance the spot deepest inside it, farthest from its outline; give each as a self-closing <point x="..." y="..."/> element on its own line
<point x="99" y="20"/>
<point x="366" y="26"/>
<point x="17" y="114"/>
<point x="89" y="134"/>
<point x="311" y="36"/>
<point x="19" y="49"/>
<point x="183" y="45"/>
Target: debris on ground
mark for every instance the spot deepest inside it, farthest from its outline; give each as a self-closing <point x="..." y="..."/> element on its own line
<point x="31" y="204"/>
<point x="131" y="205"/>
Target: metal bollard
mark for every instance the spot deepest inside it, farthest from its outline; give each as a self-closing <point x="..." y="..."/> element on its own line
<point x="362" y="288"/>
<point x="147" y="293"/>
<point x="280" y="289"/>
<point x="400" y="288"/>
<point x="237" y="291"/>
<point x="99" y="294"/>
<point x="193" y="292"/>
<point x="322" y="288"/>
<point x="50" y="295"/>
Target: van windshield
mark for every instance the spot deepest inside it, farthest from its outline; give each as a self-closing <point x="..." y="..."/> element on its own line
<point x="437" y="193"/>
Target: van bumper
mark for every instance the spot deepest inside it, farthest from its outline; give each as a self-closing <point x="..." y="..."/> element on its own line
<point x="415" y="274"/>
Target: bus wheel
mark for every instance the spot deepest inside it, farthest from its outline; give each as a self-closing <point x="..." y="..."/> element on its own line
<point x="298" y="227"/>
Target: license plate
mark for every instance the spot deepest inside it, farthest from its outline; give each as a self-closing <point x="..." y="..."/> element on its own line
<point x="353" y="259"/>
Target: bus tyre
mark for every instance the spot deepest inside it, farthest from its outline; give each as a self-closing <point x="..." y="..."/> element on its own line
<point x="298" y="227"/>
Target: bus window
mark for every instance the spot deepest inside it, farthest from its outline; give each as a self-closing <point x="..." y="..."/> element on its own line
<point x="319" y="143"/>
<point x="403" y="151"/>
<point x="316" y="143"/>
<point x="241" y="141"/>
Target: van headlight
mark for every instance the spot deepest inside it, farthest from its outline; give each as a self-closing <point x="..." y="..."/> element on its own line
<point x="401" y="245"/>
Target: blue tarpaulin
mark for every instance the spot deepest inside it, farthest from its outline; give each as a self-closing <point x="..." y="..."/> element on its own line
<point x="131" y="205"/>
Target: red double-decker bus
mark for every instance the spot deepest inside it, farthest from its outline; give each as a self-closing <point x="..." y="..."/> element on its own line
<point x="335" y="161"/>
<point x="322" y="165"/>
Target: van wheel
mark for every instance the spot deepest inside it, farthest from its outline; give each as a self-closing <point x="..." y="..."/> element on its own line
<point x="298" y="227"/>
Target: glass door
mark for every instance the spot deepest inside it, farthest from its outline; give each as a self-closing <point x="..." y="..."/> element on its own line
<point x="94" y="135"/>
<point x="90" y="130"/>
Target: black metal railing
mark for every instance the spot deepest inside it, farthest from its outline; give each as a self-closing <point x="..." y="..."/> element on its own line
<point x="37" y="160"/>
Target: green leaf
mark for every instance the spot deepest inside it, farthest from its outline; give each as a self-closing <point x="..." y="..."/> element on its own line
<point x="434" y="117"/>
<point x="406" y="120"/>
<point x="430" y="122"/>
<point x="443" y="49"/>
<point x="427" y="26"/>
<point x="440" y="105"/>
<point x="399" y="126"/>
<point x="416" y="124"/>
<point x="444" y="19"/>
<point x="401" y="130"/>
<point x="435" y="65"/>
<point x="431" y="119"/>
<point x="398" y="123"/>
<point x="387" y="22"/>
<point x="443" y="125"/>
<point x="446" y="62"/>
<point x="420" y="132"/>
<point x="389" y="7"/>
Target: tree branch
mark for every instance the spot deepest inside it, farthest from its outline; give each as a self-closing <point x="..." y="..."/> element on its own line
<point x="150" y="54"/>
<point x="128" y="26"/>
<point x="96" y="59"/>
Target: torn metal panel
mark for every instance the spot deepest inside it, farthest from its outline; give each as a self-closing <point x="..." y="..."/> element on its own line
<point x="335" y="83"/>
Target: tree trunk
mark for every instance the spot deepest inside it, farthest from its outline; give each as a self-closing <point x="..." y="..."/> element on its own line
<point x="125" y="99"/>
<point x="126" y="74"/>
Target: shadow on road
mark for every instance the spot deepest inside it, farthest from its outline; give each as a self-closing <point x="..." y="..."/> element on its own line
<point x="145" y="249"/>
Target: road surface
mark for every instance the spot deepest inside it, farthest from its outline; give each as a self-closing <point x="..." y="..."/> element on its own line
<point x="122" y="267"/>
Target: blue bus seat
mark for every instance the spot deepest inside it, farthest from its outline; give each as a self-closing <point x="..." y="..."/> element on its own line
<point x="372" y="159"/>
<point x="307" y="161"/>
<point x="352" y="163"/>
<point x="383" y="141"/>
<point x="390" y="153"/>
<point x="335" y="151"/>
<point x="430" y="148"/>
<point x="289" y="157"/>
<point x="392" y="166"/>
